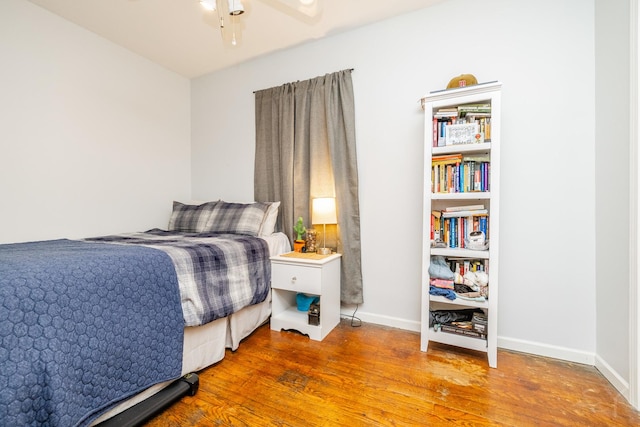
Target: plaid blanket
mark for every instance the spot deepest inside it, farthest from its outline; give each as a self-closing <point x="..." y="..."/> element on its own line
<point x="218" y="274"/>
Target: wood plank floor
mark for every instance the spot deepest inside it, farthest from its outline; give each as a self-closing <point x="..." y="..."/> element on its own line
<point x="377" y="376"/>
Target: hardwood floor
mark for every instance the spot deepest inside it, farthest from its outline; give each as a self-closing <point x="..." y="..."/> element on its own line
<point x="377" y="376"/>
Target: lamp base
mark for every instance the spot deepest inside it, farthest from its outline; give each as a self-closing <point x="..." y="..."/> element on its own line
<point x="324" y="251"/>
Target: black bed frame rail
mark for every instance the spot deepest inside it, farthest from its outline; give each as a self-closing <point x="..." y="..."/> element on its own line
<point x="149" y="408"/>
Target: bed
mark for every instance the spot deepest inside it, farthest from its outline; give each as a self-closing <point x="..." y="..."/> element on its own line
<point x="91" y="327"/>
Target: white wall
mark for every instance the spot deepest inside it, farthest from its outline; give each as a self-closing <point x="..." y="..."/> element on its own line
<point x="546" y="63"/>
<point x="612" y="183"/>
<point x="93" y="139"/>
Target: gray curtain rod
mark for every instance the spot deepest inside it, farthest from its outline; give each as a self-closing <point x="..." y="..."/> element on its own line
<point x="350" y="69"/>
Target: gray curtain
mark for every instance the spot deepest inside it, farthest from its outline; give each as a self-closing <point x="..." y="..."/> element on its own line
<point x="306" y="148"/>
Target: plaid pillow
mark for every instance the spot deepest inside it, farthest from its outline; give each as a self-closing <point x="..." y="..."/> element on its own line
<point x="190" y="218"/>
<point x="237" y="218"/>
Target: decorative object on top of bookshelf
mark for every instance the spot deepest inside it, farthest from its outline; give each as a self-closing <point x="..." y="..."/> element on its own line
<point x="462" y="80"/>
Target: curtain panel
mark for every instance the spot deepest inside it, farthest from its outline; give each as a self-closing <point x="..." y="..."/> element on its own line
<point x="306" y="148"/>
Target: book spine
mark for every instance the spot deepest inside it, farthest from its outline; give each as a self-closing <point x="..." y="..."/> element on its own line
<point x="454" y="229"/>
<point x="441" y="132"/>
<point x="460" y="331"/>
<point x="435" y="132"/>
<point x="467" y="171"/>
<point x="445" y="231"/>
<point x="487" y="130"/>
<point x="482" y="225"/>
<point x="463" y="208"/>
<point x="435" y="179"/>
<point x="486" y="176"/>
<point x="432" y="227"/>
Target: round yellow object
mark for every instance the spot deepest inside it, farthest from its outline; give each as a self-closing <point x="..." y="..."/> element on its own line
<point x="462" y="80"/>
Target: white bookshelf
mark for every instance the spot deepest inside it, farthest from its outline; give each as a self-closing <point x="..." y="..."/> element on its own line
<point x="482" y="93"/>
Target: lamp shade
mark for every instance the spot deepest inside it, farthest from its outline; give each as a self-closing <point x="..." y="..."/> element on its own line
<point x="324" y="211"/>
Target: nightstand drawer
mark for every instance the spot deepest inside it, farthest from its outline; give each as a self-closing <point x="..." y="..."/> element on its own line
<point x="296" y="278"/>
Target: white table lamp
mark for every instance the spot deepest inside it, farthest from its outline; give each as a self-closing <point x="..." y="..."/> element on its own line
<point x="323" y="212"/>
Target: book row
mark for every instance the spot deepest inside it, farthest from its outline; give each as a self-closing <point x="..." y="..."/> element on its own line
<point x="464" y="110"/>
<point x="455" y="130"/>
<point x="454" y="232"/>
<point x="461" y="266"/>
<point x="460" y="176"/>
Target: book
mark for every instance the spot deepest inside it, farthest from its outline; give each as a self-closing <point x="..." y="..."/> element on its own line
<point x="470" y="116"/>
<point x="475" y="158"/>
<point x="445" y="157"/>
<point x="439" y="115"/>
<point x="463" y="208"/>
<point x="435" y="132"/>
<point x="468" y="332"/>
<point x="474" y="108"/>
<point x="458" y="214"/>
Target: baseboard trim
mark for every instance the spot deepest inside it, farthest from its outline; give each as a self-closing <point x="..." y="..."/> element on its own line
<point x="546" y="350"/>
<point x="616" y="380"/>
<point x="394" y="322"/>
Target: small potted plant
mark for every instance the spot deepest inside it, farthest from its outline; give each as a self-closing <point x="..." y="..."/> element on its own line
<point x="298" y="244"/>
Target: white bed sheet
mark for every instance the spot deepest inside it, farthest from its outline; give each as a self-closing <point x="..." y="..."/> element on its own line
<point x="205" y="345"/>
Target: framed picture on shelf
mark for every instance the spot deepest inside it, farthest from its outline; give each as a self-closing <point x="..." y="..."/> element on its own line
<point x="465" y="133"/>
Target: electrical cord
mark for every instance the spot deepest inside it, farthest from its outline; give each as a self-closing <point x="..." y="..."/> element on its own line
<point x="355" y="321"/>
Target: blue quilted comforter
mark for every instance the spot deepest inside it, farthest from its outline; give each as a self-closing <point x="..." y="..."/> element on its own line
<point x="82" y="326"/>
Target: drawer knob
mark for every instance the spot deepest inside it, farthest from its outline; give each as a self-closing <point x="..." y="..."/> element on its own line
<point x="293" y="279"/>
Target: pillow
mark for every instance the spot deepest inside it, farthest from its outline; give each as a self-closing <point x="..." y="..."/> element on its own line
<point x="190" y="218"/>
<point x="269" y="223"/>
<point x="237" y="218"/>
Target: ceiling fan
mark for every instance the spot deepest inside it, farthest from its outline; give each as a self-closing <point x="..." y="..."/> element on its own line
<point x="228" y="11"/>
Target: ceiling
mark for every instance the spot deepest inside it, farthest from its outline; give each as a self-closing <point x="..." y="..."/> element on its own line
<point x="181" y="36"/>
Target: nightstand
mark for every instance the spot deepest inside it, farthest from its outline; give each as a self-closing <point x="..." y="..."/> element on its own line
<point x="310" y="274"/>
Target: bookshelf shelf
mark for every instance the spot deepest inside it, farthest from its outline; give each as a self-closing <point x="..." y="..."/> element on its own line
<point x="472" y="195"/>
<point x="458" y="301"/>
<point x="450" y="172"/>
<point x="477" y="344"/>
<point x="462" y="148"/>
<point x="460" y="253"/>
